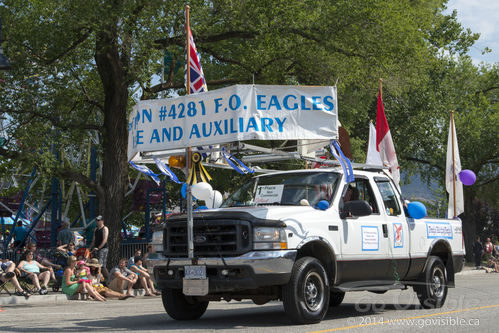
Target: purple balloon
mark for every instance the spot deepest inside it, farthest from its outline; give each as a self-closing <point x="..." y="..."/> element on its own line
<point x="467" y="177"/>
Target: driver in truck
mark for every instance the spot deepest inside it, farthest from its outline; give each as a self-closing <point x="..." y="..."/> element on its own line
<point x="352" y="194"/>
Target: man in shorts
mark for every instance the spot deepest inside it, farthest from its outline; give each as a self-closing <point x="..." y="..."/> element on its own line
<point x="99" y="244"/>
<point x="122" y="278"/>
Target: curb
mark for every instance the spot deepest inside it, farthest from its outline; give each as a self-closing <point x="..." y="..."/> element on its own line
<point x="34" y="299"/>
<point x="472" y="272"/>
<point x="53" y="298"/>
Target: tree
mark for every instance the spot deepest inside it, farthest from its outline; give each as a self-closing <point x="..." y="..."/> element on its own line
<point x="79" y="66"/>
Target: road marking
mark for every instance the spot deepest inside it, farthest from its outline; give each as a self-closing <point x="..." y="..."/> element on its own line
<point x="402" y="319"/>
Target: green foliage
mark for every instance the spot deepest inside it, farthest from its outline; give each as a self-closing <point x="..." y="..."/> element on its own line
<point x="61" y="95"/>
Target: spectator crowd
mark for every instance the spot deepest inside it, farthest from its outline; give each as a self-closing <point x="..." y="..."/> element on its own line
<point x="486" y="253"/>
<point x="79" y="273"/>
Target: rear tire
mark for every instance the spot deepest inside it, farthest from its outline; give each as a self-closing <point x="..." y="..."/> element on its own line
<point x="335" y="298"/>
<point x="432" y="290"/>
<point x="181" y="307"/>
<point x="306" y="296"/>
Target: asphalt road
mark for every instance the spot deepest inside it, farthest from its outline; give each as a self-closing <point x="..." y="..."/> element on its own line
<point x="472" y="306"/>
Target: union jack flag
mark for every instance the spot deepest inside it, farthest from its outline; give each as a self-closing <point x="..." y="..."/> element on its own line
<point x="198" y="83"/>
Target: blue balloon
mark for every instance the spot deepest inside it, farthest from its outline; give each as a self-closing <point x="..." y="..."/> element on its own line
<point x="322" y="205"/>
<point x="183" y="190"/>
<point x="416" y="210"/>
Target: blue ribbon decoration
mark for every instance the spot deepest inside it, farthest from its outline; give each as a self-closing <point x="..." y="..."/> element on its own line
<point x="344" y="161"/>
<point x="348" y="163"/>
<point x="145" y="170"/>
<point x="166" y="170"/>
<point x="232" y="161"/>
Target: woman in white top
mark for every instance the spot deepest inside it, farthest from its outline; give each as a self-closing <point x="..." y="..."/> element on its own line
<point x="31" y="268"/>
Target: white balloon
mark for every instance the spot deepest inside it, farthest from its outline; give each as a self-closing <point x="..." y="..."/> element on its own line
<point x="202" y="191"/>
<point x="215" y="200"/>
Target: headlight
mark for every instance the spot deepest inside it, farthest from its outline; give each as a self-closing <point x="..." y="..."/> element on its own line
<point x="157" y="241"/>
<point x="268" y="238"/>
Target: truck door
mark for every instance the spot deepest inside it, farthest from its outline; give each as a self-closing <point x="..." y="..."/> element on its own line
<point x="397" y="229"/>
<point x="364" y="248"/>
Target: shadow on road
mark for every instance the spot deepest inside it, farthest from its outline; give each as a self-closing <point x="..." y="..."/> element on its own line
<point x="271" y="315"/>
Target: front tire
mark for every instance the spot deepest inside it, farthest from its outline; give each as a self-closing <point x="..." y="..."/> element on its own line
<point x="181" y="307"/>
<point x="306" y="296"/>
<point x="432" y="290"/>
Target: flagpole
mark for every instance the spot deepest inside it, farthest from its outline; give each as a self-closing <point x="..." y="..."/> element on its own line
<point x="453" y="162"/>
<point x="380" y="89"/>
<point x="188" y="194"/>
<point x="188" y="45"/>
<point x="190" y="219"/>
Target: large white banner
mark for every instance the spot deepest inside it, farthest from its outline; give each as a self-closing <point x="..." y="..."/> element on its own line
<point x="236" y="113"/>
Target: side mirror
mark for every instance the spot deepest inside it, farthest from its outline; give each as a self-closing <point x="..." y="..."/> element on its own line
<point x="356" y="208"/>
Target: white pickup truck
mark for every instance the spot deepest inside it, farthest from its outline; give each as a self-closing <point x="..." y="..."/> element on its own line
<point x="293" y="236"/>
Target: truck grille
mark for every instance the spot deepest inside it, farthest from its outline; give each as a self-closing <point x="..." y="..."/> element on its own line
<point x="228" y="238"/>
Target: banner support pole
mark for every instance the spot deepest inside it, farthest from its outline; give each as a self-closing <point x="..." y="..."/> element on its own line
<point x="188" y="192"/>
<point x="453" y="163"/>
<point x="188" y="49"/>
<point x="190" y="219"/>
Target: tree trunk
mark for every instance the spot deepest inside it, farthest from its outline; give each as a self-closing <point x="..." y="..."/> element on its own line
<point x="115" y="137"/>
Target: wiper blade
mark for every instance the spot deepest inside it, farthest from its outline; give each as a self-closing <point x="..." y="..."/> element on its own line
<point x="277" y="204"/>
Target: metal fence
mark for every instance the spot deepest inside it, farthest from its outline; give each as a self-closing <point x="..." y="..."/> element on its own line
<point x="127" y="250"/>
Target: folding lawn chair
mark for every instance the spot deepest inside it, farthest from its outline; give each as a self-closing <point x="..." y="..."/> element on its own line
<point x="26" y="283"/>
<point x="3" y="284"/>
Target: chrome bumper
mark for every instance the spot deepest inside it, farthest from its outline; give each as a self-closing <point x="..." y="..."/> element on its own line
<point x="258" y="268"/>
<point x="262" y="262"/>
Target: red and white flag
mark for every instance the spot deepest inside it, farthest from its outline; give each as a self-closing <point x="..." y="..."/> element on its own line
<point x="198" y="83"/>
<point x="384" y="142"/>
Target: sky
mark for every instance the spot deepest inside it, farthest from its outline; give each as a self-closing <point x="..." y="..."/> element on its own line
<point x="481" y="16"/>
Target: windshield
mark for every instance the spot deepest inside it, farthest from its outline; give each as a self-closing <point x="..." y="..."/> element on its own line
<point x="285" y="189"/>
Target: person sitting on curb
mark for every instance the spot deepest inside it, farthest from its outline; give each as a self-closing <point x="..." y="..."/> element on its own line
<point x="131" y="260"/>
<point x="144" y="277"/>
<point x="97" y="278"/>
<point x="492" y="266"/>
<point x="9" y="274"/>
<point x="122" y="278"/>
<point x="31" y="268"/>
<point x="82" y="272"/>
<point x="71" y="284"/>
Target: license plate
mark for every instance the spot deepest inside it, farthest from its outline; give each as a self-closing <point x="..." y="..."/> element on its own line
<point x="195" y="287"/>
<point x="195" y="272"/>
